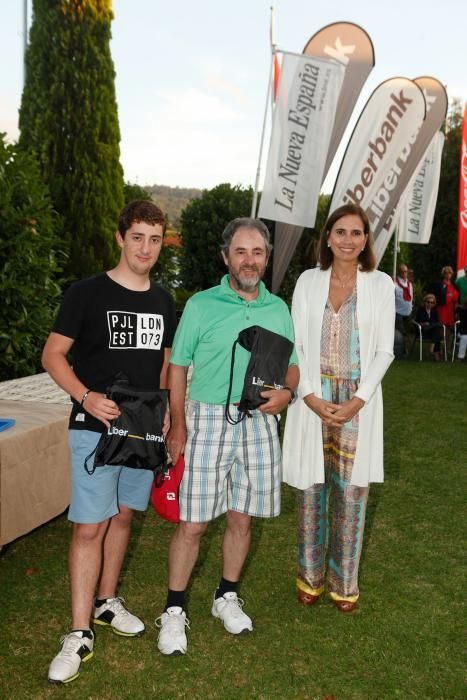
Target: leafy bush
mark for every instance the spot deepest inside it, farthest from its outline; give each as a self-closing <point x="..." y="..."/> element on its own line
<point x="29" y="263"/>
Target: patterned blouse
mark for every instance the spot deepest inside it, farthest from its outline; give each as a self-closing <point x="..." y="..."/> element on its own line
<point x="340" y="344"/>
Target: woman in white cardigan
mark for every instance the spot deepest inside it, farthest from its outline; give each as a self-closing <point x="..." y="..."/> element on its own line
<point x="343" y="313"/>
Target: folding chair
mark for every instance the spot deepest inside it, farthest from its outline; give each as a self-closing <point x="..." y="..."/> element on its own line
<point x="454" y="340"/>
<point x="418" y="335"/>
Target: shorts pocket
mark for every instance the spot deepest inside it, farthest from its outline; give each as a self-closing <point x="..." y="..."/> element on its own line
<point x="76" y="439"/>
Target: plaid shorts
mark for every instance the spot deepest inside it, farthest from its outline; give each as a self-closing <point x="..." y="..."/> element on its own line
<point x="229" y="467"/>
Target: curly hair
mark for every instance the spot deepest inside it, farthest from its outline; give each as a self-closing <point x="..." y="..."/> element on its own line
<point x="140" y="210"/>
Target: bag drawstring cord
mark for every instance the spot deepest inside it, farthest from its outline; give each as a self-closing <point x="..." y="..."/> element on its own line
<point x="228" y="415"/>
<point x="91" y="470"/>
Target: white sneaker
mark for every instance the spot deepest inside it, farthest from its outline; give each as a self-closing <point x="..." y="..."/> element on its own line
<point x="112" y="612"/>
<point x="75" y="648"/>
<point x="229" y="610"/>
<point x="172" y="639"/>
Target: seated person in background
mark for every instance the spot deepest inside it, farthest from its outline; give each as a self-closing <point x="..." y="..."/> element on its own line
<point x="462" y="330"/>
<point x="427" y="317"/>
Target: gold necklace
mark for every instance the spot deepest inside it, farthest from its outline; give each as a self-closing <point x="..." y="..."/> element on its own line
<point x="344" y="283"/>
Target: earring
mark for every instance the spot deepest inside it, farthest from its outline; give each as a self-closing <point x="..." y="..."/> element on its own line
<point x="329" y="245"/>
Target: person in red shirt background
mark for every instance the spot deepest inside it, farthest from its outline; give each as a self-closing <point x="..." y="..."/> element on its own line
<point x="446" y="296"/>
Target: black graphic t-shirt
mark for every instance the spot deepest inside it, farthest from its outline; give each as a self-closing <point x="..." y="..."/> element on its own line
<point x="115" y="330"/>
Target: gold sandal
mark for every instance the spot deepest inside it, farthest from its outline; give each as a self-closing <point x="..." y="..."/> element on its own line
<point x="345" y="606"/>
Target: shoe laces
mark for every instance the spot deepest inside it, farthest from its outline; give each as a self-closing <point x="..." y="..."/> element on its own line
<point x="116" y="605"/>
<point x="172" y="622"/>
<point x="234" y="606"/>
<point x="70" y="644"/>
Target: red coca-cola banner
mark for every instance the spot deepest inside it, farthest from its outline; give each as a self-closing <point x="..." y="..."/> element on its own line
<point x="462" y="226"/>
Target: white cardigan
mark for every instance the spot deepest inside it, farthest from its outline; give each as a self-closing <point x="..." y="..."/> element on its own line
<point x="303" y="460"/>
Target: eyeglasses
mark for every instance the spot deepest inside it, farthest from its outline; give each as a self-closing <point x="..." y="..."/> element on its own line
<point x="432" y="303"/>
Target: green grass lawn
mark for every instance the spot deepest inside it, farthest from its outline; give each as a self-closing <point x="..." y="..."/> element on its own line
<point x="404" y="640"/>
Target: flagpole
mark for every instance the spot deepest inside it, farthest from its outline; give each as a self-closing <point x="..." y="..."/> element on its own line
<point x="273" y="57"/>
<point x="254" y="204"/>
<point x="396" y="245"/>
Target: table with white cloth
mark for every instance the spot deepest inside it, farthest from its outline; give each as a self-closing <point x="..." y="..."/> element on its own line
<point x="34" y="455"/>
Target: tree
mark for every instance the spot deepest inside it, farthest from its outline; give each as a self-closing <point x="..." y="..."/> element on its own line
<point x="132" y="191"/>
<point x="68" y="118"/>
<point x="202" y="223"/>
<point x="427" y="260"/>
<point x="29" y="263"/>
<point x="403" y="256"/>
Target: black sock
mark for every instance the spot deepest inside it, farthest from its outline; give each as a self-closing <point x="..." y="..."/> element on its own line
<point x="86" y="633"/>
<point x="225" y="587"/>
<point x="175" y="598"/>
<point x="100" y="601"/>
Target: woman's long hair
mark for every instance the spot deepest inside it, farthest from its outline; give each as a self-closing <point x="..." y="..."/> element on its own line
<point x="367" y="258"/>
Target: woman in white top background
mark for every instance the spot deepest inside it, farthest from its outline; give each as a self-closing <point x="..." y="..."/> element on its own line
<point x="343" y="313"/>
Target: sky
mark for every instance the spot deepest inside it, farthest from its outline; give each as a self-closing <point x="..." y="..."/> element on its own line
<point x="191" y="77"/>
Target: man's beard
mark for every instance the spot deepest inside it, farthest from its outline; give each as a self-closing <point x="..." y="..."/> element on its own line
<point x="246" y="284"/>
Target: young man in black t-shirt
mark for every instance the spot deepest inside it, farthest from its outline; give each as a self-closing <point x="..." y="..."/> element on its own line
<point x="118" y="321"/>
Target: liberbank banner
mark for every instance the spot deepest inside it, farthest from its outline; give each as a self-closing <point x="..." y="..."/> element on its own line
<point x="379" y="148"/>
<point x="436" y="102"/>
<point x="303" y="120"/>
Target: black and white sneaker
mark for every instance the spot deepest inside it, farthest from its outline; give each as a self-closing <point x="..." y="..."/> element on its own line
<point x="77" y="646"/>
<point x="113" y="613"/>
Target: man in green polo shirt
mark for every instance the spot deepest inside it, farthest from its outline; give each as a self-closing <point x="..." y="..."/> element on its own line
<point x="231" y="469"/>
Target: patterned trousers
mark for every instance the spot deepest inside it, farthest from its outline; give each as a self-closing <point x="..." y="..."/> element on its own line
<point x="332" y="518"/>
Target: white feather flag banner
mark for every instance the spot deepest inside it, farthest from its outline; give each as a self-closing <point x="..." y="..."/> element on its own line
<point x="379" y="148"/>
<point x="303" y="121"/>
<point x="419" y="202"/>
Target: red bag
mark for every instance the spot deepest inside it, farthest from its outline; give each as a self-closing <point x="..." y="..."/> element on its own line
<point x="164" y="498"/>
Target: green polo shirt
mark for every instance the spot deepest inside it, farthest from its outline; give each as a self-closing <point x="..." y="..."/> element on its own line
<point x="207" y="330"/>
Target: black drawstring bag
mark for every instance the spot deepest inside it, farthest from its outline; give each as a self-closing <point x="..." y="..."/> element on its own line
<point x="135" y="438"/>
<point x="269" y="361"/>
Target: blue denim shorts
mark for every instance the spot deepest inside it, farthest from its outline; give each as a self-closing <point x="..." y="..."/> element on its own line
<point x="96" y="497"/>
